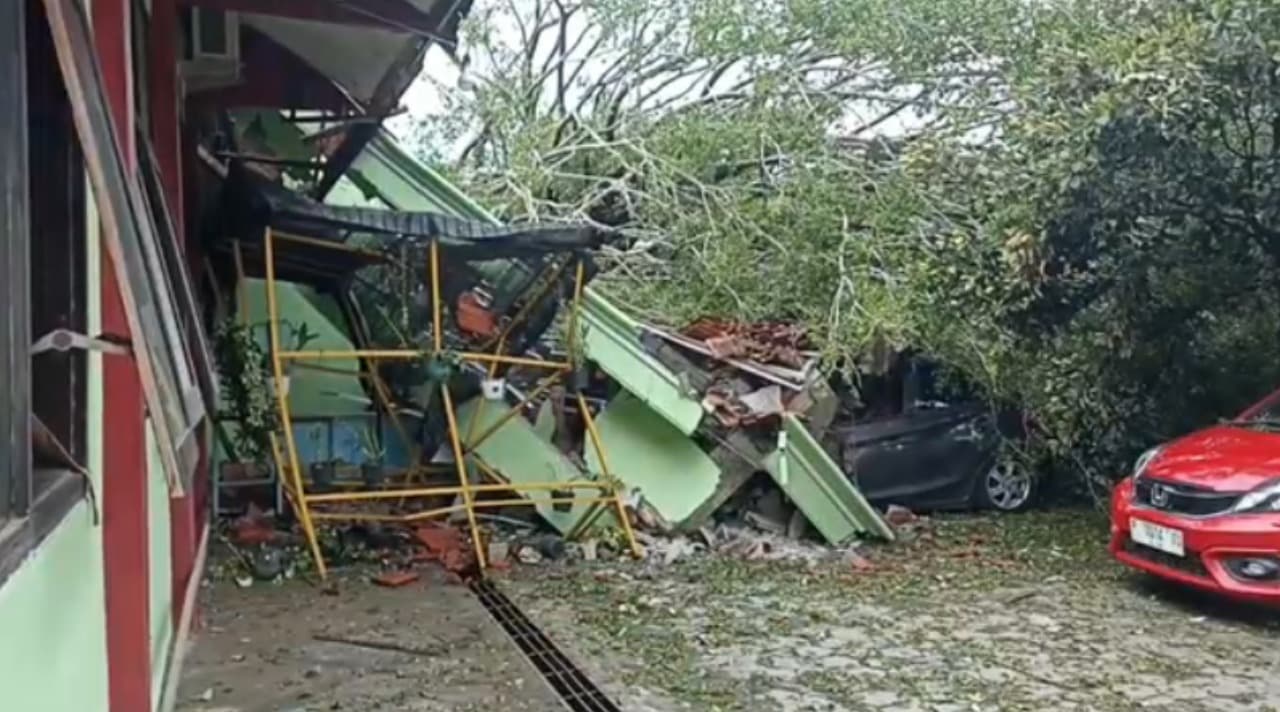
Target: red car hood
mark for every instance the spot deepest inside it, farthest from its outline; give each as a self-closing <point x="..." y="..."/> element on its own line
<point x="1221" y="458"/>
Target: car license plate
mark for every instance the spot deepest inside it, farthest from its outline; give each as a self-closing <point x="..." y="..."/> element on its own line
<point x="1164" y="539"/>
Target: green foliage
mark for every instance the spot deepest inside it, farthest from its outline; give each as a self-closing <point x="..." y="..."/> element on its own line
<point x="247" y="395"/>
<point x="1074" y="204"/>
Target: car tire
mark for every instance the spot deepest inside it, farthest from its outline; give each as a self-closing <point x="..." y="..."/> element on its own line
<point x="1005" y="486"/>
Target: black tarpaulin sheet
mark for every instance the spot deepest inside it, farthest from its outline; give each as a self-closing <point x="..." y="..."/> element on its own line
<point x="252" y="203"/>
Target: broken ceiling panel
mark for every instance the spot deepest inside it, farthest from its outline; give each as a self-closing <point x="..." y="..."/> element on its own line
<point x="357" y="58"/>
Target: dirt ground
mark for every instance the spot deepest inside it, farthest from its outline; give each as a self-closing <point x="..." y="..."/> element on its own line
<point x="973" y="614"/>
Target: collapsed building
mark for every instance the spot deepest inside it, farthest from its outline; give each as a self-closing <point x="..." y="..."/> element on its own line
<point x="678" y="423"/>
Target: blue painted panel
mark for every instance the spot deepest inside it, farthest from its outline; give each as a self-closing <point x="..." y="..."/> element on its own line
<point x="348" y="438"/>
<point x="312" y="437"/>
<point x="397" y="455"/>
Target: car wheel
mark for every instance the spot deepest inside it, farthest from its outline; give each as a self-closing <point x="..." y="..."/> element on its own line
<point x="1006" y="486"/>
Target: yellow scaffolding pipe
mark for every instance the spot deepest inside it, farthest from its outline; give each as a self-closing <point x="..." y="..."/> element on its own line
<point x="513" y="411"/>
<point x="479" y="358"/>
<point x="502" y="341"/>
<point x="334" y="354"/>
<point x="454" y="490"/>
<point x="498" y="358"/>
<point x="282" y="400"/>
<point x="381" y="392"/>
<point x="598" y="445"/>
<point x="488" y="471"/>
<point x="409" y="354"/>
<point x="463" y="481"/>
<point x="294" y="484"/>
<point x="571" y="339"/>
<point x="358" y="517"/>
<point x="330" y="245"/>
<point x="526" y="308"/>
<point x="437" y="309"/>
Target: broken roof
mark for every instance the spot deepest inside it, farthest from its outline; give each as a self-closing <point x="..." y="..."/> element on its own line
<point x="357" y="44"/>
<point x="340" y="239"/>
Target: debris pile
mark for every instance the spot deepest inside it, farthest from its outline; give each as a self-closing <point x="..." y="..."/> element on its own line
<point x="767" y="343"/>
<point x="774" y="361"/>
<point x="739" y="542"/>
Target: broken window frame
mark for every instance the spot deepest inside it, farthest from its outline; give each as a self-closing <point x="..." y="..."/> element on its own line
<point x="131" y="239"/>
<point x="15" y="423"/>
<point x="199" y="351"/>
<point x="34" y="499"/>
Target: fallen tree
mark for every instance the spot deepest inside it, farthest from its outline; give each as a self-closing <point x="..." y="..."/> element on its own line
<point x="1073" y="205"/>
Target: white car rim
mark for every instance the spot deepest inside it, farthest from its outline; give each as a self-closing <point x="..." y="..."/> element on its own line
<point x="1008" y="486"/>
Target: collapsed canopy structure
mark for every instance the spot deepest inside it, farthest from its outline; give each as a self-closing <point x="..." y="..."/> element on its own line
<point x="417" y="264"/>
<point x="341" y="240"/>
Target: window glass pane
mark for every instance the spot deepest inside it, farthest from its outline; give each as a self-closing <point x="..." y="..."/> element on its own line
<point x="130" y="239"/>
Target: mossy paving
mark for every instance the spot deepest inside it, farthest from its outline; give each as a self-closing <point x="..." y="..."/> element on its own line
<point x="1021" y="612"/>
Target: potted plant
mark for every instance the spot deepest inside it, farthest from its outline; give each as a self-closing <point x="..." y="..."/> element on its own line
<point x="374" y="452"/>
<point x="580" y="372"/>
<point x="323" y="474"/>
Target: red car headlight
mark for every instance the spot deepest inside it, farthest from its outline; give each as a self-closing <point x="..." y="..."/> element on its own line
<point x="1265" y="498"/>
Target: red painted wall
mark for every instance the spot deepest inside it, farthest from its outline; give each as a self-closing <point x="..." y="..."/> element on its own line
<point x="185" y="513"/>
<point x="124" y="496"/>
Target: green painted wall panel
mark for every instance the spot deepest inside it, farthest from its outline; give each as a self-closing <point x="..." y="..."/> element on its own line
<point x="53" y="648"/>
<point x="161" y="565"/>
<point x="518" y="452"/>
<point x="649" y="454"/>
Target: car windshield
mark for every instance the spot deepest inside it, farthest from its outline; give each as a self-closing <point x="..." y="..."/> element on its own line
<point x="1267" y="416"/>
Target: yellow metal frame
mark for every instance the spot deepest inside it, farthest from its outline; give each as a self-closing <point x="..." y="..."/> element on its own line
<point x="607" y="490"/>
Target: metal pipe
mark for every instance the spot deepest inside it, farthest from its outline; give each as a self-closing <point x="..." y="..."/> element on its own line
<point x="330" y="245"/>
<point x="528" y="305"/>
<point x="463" y="482"/>
<point x="477" y="357"/>
<point x="437" y="311"/>
<point x="598" y="444"/>
<point x="323" y="355"/>
<point x="282" y="400"/>
<point x="375" y="495"/>
<point x="514" y="410"/>
<point x="571" y="339"/>
<point x="489" y="471"/>
<point x="357" y="517"/>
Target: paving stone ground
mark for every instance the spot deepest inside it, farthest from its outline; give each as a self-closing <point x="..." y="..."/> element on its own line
<point x="978" y="614"/>
<point x="427" y="647"/>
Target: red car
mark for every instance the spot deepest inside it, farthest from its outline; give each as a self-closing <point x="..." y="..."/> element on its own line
<point x="1204" y="510"/>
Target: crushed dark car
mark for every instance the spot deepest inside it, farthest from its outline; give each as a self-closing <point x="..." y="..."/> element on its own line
<point x="903" y="444"/>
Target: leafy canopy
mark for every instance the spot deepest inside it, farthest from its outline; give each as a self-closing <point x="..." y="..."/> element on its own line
<point x="1071" y="203"/>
